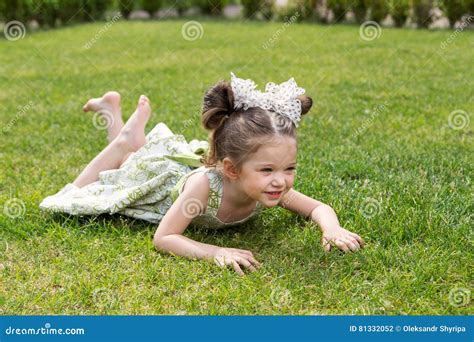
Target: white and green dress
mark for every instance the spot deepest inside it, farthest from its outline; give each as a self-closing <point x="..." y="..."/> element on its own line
<point x="147" y="184"/>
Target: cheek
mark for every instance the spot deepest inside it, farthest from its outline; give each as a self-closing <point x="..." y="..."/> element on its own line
<point x="290" y="180"/>
<point x="257" y="182"/>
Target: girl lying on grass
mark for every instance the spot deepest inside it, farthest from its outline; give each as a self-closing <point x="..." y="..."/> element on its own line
<point x="249" y="166"/>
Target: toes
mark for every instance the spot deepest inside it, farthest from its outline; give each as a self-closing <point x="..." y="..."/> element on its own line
<point x="143" y="100"/>
<point x="112" y="97"/>
<point x="86" y="107"/>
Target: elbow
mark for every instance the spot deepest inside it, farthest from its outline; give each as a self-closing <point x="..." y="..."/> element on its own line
<point x="163" y="243"/>
<point x="158" y="243"/>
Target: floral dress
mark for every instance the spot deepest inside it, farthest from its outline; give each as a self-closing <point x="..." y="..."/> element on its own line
<point x="147" y="184"/>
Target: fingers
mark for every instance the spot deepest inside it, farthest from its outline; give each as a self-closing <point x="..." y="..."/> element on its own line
<point x="237" y="268"/>
<point x="352" y="244"/>
<point x="326" y="245"/>
<point x="358" y="238"/>
<point x="243" y="251"/>
<point x="255" y="262"/>
<point x="238" y="260"/>
<point x="341" y="245"/>
<point x="246" y="264"/>
<point x="251" y="259"/>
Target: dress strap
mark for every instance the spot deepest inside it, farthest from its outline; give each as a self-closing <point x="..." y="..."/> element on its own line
<point x="178" y="188"/>
<point x="215" y="191"/>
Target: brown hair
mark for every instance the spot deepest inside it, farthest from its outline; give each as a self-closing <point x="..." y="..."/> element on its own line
<point x="239" y="133"/>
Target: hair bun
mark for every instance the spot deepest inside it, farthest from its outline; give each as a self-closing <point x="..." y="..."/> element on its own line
<point x="218" y="104"/>
<point x="306" y="103"/>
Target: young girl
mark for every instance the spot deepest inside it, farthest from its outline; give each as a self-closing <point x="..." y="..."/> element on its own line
<point x="249" y="166"/>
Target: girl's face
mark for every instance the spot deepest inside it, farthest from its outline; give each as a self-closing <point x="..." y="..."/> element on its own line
<point x="270" y="172"/>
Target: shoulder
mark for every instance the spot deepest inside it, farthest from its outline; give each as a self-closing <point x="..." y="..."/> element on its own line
<point x="198" y="181"/>
<point x="196" y="188"/>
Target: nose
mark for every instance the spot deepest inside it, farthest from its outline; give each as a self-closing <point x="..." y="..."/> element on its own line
<point x="278" y="181"/>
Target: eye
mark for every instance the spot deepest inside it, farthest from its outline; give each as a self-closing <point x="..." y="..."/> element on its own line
<point x="291" y="168"/>
<point x="267" y="170"/>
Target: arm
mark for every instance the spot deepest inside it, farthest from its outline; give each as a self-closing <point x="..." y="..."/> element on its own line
<point x="325" y="217"/>
<point x="190" y="203"/>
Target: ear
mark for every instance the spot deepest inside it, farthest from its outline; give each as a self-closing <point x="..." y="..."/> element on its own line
<point x="229" y="169"/>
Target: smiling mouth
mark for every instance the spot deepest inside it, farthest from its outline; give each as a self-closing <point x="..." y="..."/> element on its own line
<point x="274" y="194"/>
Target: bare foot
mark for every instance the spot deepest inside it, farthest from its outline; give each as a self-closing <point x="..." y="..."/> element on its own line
<point x="108" y="109"/>
<point x="133" y="132"/>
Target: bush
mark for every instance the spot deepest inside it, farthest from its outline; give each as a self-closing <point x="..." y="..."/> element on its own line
<point x="125" y="7"/>
<point x="339" y="8"/>
<point x="252" y="7"/>
<point x="297" y="10"/>
<point x="14" y="10"/>
<point x="421" y="10"/>
<point x="359" y="7"/>
<point x="378" y="10"/>
<point x="45" y="12"/>
<point x="180" y="5"/>
<point x="68" y="10"/>
<point x="96" y="8"/>
<point x="151" y="6"/>
<point x="399" y="10"/>
<point x="455" y="9"/>
<point x="212" y="7"/>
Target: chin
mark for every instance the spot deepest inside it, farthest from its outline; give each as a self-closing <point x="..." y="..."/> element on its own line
<point x="269" y="203"/>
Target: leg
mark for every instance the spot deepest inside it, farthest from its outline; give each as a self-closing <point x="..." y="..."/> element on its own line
<point x="124" y="159"/>
<point x="130" y="139"/>
<point x="107" y="108"/>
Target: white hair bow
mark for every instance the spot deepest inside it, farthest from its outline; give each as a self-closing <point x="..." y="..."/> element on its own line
<point x="280" y="99"/>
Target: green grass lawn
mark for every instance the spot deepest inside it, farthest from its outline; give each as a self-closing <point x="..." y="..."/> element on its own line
<point x="378" y="146"/>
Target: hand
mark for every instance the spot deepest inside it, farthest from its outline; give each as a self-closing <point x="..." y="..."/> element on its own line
<point x="342" y="239"/>
<point x="236" y="258"/>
